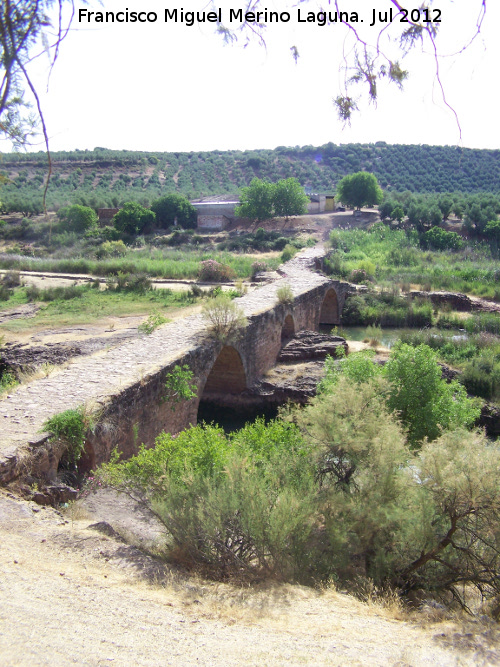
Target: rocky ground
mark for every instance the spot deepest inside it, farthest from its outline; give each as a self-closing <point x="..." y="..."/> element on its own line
<point x="73" y="591"/>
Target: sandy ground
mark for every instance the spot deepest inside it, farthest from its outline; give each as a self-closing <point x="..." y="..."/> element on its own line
<point x="72" y="594"/>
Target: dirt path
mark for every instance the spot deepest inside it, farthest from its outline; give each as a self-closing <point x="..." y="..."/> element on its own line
<point x="71" y="594"/>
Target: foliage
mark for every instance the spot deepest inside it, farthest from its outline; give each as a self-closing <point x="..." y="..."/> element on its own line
<point x="7" y="381"/>
<point x="212" y="271"/>
<point x="289" y="251"/>
<point x="440" y="239"/>
<point x="79" y="219"/>
<point x="289" y="198"/>
<point x="224" y="318"/>
<point x="331" y="492"/>
<point x="359" y="189"/>
<point x="285" y="295"/>
<point x="256" y="200"/>
<point x="409" y="169"/>
<point x="422" y="399"/>
<point x="492" y="230"/>
<point x="70" y="427"/>
<point x="173" y="207"/>
<point x="153" y="321"/>
<point x="234" y="507"/>
<point x="133" y="219"/>
<point x="111" y="249"/>
<point x="179" y="385"/>
<point x="386" y="309"/>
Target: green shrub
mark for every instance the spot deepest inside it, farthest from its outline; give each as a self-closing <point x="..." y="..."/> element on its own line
<point x="288" y="253"/>
<point x="179" y="385"/>
<point x="285" y="295"/>
<point x="70" y="427"/>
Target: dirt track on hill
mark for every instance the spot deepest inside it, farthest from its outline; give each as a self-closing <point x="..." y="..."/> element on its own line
<point x="72" y="594"/>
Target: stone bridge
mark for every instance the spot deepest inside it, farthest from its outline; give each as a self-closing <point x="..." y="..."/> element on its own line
<point x="125" y="386"/>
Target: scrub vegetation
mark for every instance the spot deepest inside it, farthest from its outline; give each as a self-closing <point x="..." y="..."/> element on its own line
<point x="352" y="488"/>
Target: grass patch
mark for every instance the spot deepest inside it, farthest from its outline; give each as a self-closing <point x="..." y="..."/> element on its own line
<point x="174" y="264"/>
<point x="396" y="257"/>
<point x="89" y="305"/>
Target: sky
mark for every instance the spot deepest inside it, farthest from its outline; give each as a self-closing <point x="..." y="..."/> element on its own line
<point x="165" y="86"/>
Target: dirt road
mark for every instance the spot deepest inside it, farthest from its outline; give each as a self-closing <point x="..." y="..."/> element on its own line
<point x="72" y="595"/>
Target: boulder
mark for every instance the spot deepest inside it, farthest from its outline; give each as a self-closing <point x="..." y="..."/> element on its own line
<point x="307" y="345"/>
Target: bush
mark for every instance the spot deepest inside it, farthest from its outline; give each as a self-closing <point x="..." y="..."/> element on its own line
<point x="111" y="249"/>
<point x="212" y="271"/>
<point x="288" y="253"/>
<point x="79" y="219"/>
<point x="425" y="403"/>
<point x="285" y="295"/>
<point x="70" y="428"/>
<point x="440" y="239"/>
<point x="11" y="279"/>
<point x="225" y="319"/>
<point x="237" y="506"/>
<point x="133" y="219"/>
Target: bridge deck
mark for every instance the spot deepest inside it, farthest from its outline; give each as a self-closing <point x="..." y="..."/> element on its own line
<point x="93" y="380"/>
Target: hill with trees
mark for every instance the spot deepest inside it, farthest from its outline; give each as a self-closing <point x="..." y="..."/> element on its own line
<point x="104" y="178"/>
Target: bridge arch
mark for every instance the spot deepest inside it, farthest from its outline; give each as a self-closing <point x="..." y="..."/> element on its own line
<point x="329" y="313"/>
<point x="288" y="329"/>
<point x="227" y="374"/>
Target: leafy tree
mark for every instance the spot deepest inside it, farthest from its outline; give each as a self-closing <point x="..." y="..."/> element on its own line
<point x="256" y="200"/>
<point x="78" y="218"/>
<point x="172" y="208"/>
<point x="385" y="209"/>
<point x="423" y="400"/>
<point x="359" y="189"/>
<point x="133" y="219"/>
<point x="289" y="198"/>
<point x="445" y="206"/>
<point x="397" y="213"/>
<point x="492" y="230"/>
<point x="435" y="215"/>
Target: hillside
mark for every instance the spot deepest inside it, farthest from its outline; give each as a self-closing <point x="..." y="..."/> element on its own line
<point x="104" y="177"/>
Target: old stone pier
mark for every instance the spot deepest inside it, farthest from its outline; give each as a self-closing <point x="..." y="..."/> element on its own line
<point x="125" y="386"/>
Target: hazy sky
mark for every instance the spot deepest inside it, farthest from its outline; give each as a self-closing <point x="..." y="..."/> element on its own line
<point x="166" y="86"/>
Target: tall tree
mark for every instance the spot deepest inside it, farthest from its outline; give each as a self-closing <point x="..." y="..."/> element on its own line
<point x="256" y="200"/>
<point x="359" y="189"/>
<point x="133" y="219"/>
<point x="289" y="198"/>
<point x="172" y="208"/>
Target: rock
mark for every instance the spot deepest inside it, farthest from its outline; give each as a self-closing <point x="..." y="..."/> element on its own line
<point x="489" y="419"/>
<point x="312" y="345"/>
<point x="42" y="498"/>
<point x="456" y="300"/>
<point x="289" y="382"/>
<point x="62" y="493"/>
